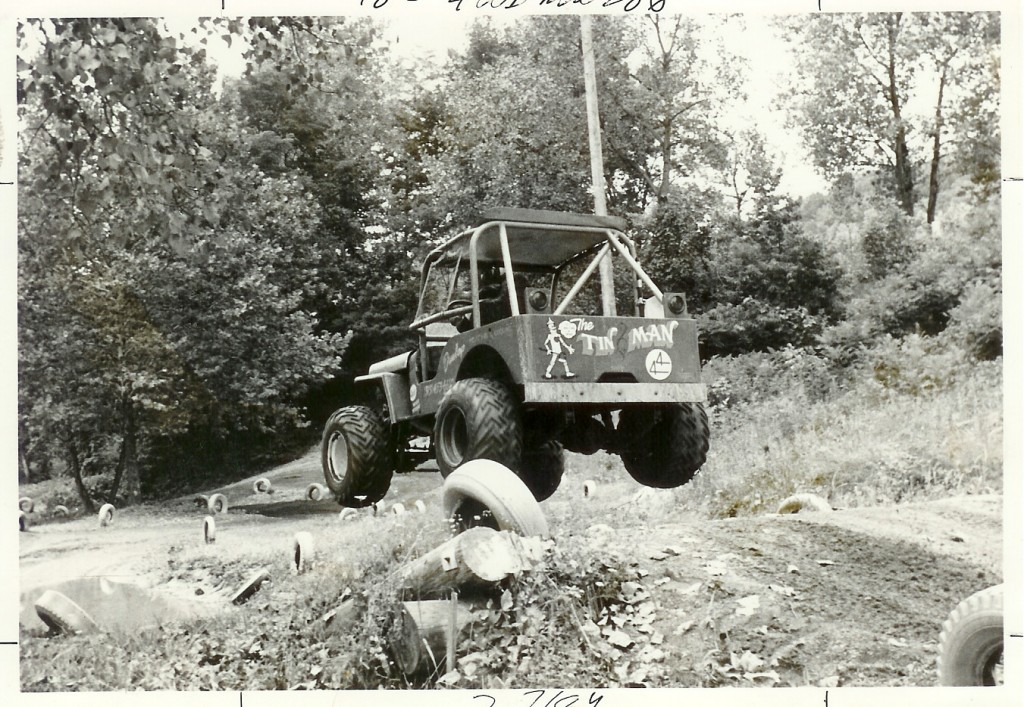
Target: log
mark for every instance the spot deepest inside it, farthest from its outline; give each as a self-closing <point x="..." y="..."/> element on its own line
<point x="420" y="638"/>
<point x="478" y="558"/>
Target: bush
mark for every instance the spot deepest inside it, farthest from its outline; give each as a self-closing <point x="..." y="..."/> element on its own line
<point x="754" y="325"/>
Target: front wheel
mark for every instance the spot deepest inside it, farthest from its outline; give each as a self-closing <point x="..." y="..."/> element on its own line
<point x="477" y="419"/>
<point x="663" y="446"/>
<point x="356" y="458"/>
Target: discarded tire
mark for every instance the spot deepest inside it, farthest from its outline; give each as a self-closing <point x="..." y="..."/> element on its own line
<point x="26" y="504"/>
<point x="250" y="587"/>
<point x="201" y="501"/>
<point x="22" y="521"/>
<point x="803" y="502"/>
<point x="302" y="552"/>
<point x="62" y="615"/>
<point x="261" y="485"/>
<point x="398" y="509"/>
<point x="484" y="485"/>
<point x="209" y="530"/>
<point x="348" y="514"/>
<point x="356" y="456"/>
<point x="217" y="503"/>
<point x="589" y="488"/>
<point x="314" y="492"/>
<point x="61" y="511"/>
<point x="421" y="506"/>
<point x="477" y="419"/>
<point x="971" y="641"/>
<point x="106" y="515"/>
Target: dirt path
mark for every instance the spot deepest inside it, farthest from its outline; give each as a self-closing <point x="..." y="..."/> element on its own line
<point x="853" y="597"/>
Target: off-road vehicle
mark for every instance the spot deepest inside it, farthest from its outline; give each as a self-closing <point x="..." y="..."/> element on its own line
<point x="521" y="353"/>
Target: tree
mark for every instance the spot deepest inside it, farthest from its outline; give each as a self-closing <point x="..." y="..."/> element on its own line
<point x="155" y="293"/>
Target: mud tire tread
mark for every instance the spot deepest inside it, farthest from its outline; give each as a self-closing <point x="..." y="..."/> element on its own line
<point x="971" y="639"/>
<point x="367" y="477"/>
<point x="665" y="446"/>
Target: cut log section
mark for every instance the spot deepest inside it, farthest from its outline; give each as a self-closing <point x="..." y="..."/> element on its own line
<point x="478" y="558"/>
<point x="106" y="515"/>
<point x="250" y="587"/>
<point x="420" y="638"/>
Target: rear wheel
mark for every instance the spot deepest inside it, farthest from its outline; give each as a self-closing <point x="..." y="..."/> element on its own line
<point x="356" y="458"/>
<point x="542" y="467"/>
<point x="477" y="419"/>
<point x="663" y="446"/>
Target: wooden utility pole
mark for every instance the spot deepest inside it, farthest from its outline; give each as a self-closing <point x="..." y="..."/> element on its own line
<point x="596" y="158"/>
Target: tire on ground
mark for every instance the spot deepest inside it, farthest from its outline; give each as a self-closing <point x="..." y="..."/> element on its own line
<point x="663" y="446"/>
<point x="477" y="419"/>
<point x="63" y="615"/>
<point x="26" y="504"/>
<point x="302" y="551"/>
<point x="218" y="503"/>
<point x="541" y="468"/>
<point x="61" y="510"/>
<point x="797" y="503"/>
<point x="483" y="484"/>
<point x="209" y="530"/>
<point x="106" y="515"/>
<point x="971" y="641"/>
<point x="261" y="485"/>
<point x="356" y="456"/>
<point x="22" y="521"/>
<point x="314" y="492"/>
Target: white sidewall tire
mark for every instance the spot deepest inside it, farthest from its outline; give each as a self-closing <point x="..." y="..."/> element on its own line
<point x="201" y="501"/>
<point x="589" y="488"/>
<point x="421" y="506"/>
<point x="61" y="614"/>
<point x="971" y="638"/>
<point x="348" y="514"/>
<point x="261" y="485"/>
<point x="398" y="509"/>
<point x="801" y="502"/>
<point x="314" y="492"/>
<point x="498" y="489"/>
<point x="106" y="515"/>
<point x="218" y="503"/>
<point x="60" y="511"/>
<point x="302" y="552"/>
<point x="22" y="522"/>
<point x="209" y="530"/>
<point x="26" y="504"/>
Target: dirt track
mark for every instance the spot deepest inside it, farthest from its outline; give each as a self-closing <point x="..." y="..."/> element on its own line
<point x="849" y="597"/>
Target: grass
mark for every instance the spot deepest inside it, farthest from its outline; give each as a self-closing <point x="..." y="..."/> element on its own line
<point x="871" y="440"/>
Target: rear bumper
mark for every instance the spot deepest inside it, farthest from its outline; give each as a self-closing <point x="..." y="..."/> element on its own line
<point x="605" y="393"/>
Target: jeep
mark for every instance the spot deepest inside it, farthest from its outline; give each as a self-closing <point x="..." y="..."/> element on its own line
<point x="521" y="354"/>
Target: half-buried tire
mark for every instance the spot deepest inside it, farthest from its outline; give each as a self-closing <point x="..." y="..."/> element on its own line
<point x="356" y="456"/>
<point x="798" y="503"/>
<point x="62" y="615"/>
<point x="483" y="487"/>
<point x="971" y="641"/>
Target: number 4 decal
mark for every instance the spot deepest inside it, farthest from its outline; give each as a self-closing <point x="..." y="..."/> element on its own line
<point x="659" y="364"/>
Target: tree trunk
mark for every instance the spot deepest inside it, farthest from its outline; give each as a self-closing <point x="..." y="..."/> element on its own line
<point x="480" y="557"/>
<point x="419" y="642"/>
<point x="127" y="475"/>
<point x="76" y="474"/>
<point x="933" y="177"/>
<point x="903" y="173"/>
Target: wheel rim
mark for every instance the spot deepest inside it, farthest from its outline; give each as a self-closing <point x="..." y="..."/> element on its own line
<point x="454" y="438"/>
<point x="337" y="456"/>
<point x="992" y="672"/>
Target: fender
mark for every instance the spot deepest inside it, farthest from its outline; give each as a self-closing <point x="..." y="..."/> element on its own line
<point x="396" y="392"/>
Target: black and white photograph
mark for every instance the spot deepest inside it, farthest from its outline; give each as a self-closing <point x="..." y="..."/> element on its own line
<point x="513" y="352"/>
